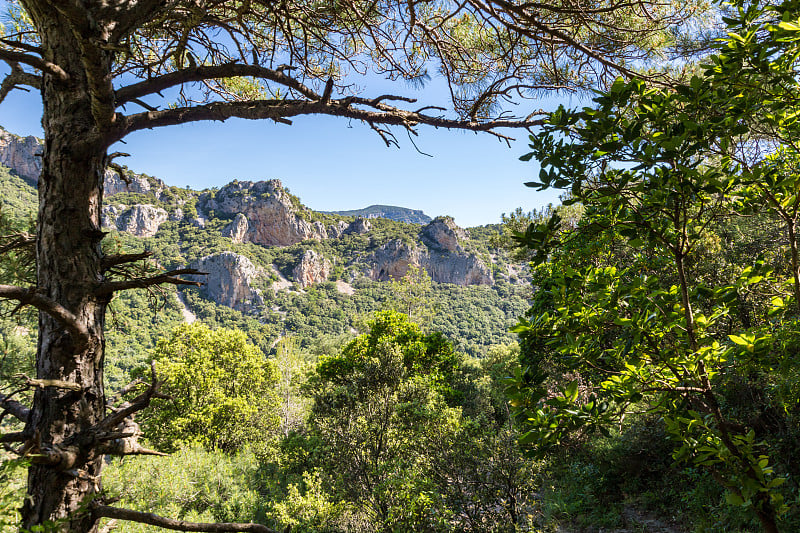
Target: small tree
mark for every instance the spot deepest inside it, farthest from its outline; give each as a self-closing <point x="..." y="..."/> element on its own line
<point x="222" y="391"/>
<point x="378" y="409"/>
<point x="412" y="295"/>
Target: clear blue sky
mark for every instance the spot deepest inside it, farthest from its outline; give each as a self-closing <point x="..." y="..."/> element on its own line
<point x="333" y="164"/>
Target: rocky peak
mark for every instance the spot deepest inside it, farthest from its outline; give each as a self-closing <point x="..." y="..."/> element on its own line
<point x="443" y="234"/>
<point x="312" y="268"/>
<point x="335" y="231"/>
<point x="21" y="154"/>
<point x="138" y="183"/>
<point x="393" y="259"/>
<point x="271" y="214"/>
<point x="229" y="281"/>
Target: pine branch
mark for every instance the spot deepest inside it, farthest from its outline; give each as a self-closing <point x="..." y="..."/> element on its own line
<point x="281" y="109"/>
<point x="80" y="334"/>
<point x="209" y="72"/>
<point x="142" y="283"/>
<point x="18" y="240"/>
<point x="110" y="261"/>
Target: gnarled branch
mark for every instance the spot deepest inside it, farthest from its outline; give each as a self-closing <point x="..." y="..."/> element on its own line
<point x="79" y="332"/>
<point x="128" y="409"/>
<point x="17" y="240"/>
<point x="281" y="109"/>
<point x="16" y="78"/>
<point x="208" y="72"/>
<point x="35" y="62"/>
<point x="110" y="261"/>
<point x="14" y="408"/>
<point x="105" y="511"/>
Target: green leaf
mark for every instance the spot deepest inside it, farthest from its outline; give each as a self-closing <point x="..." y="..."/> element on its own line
<point x="734" y="499"/>
<point x="571" y="392"/>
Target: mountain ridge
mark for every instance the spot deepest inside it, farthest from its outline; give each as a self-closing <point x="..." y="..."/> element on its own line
<point x="392" y="212"/>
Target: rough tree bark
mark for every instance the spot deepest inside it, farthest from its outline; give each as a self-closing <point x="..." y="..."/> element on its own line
<point x="69" y="271"/>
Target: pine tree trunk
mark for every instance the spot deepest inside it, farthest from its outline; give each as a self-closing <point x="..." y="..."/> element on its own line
<point x="68" y="269"/>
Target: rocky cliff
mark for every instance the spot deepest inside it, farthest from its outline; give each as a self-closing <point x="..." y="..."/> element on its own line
<point x="442" y="234"/>
<point x="142" y="220"/>
<point x="272" y="218"/>
<point x="230" y="281"/>
<point x="312" y="268"/>
<point x="23" y="156"/>
<point x="441" y="256"/>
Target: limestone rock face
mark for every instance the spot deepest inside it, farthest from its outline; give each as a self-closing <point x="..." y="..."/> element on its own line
<point x="113" y="184"/>
<point x="272" y="217"/>
<point x="312" y="268"/>
<point x="21" y="154"/>
<point x="443" y="234"/>
<point x="359" y="226"/>
<point x="142" y="220"/>
<point x="319" y="229"/>
<point x="237" y="229"/>
<point x="229" y="281"/>
<point x="109" y="215"/>
<point x="392" y="260"/>
<point x="459" y="269"/>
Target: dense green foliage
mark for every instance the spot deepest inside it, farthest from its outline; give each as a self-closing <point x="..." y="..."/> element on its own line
<point x="221" y="391"/>
<point x="664" y="299"/>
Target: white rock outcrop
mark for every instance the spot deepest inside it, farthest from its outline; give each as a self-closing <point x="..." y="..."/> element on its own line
<point x="230" y="281"/>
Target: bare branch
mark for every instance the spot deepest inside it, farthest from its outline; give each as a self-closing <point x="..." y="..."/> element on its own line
<point x="17" y="78"/>
<point x="110" y="261"/>
<point x="7" y="438"/>
<point x="24" y="46"/>
<point x="105" y="511"/>
<point x="13" y="407"/>
<point x="141" y="283"/>
<point x="128" y="409"/>
<point x="55" y="383"/>
<point x="206" y="72"/>
<point x="124" y="441"/>
<point x="35" y="62"/>
<point x="17" y="240"/>
<point x="78" y="330"/>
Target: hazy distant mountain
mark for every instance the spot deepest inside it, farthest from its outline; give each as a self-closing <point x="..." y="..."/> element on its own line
<point x="401" y="214"/>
